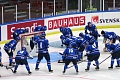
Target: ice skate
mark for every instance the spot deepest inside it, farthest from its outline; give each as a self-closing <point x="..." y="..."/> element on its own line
<point x="36" y="69"/>
<point x="111" y="67"/>
<point x="87" y="69"/>
<point x="97" y="68"/>
<point x="51" y="71"/>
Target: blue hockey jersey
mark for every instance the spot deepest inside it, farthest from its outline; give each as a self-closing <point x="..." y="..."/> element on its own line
<point x="110" y="35"/>
<point x="91" y="49"/>
<point x="70" y="53"/>
<point x="40" y="28"/>
<point x="10" y="45"/>
<point x="66" y="31"/>
<point x="91" y="30"/>
<point x="22" y="54"/>
<point x="43" y="45"/>
<point x="17" y="32"/>
<point x="80" y="42"/>
<point x="70" y="40"/>
<point x="113" y="47"/>
<point x="89" y="38"/>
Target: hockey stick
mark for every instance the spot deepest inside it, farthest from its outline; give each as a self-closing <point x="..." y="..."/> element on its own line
<point x="103" y="60"/>
<point x="8" y="67"/>
<point x="78" y="63"/>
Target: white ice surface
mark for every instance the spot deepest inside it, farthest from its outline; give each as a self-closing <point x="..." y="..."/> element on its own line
<point x="43" y="74"/>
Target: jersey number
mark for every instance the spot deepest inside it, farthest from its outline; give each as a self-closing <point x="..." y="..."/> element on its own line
<point x="70" y="50"/>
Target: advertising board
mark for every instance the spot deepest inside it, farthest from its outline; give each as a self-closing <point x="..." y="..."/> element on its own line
<point x="30" y="25"/>
<point x="77" y="20"/>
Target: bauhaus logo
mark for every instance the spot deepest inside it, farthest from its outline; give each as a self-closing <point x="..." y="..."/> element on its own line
<point x="66" y="22"/>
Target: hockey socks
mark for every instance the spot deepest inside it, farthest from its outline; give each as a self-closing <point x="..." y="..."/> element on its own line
<point x="96" y="43"/>
<point x="37" y="64"/>
<point x="49" y="66"/>
<point x="65" y="67"/>
<point x="76" y="67"/>
<point x="10" y="60"/>
<point x="16" y="66"/>
<point x="27" y="67"/>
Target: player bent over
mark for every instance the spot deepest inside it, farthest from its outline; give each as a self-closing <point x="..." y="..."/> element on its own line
<point x="70" y="55"/>
<point x="93" y="54"/>
<point x="43" y="46"/>
<point x="10" y="48"/>
<point x="114" y="50"/>
<point x="21" y="59"/>
<point x="108" y="36"/>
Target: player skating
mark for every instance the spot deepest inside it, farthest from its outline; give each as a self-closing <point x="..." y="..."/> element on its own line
<point x="70" y="55"/>
<point x="93" y="54"/>
<point x="21" y="59"/>
<point x="43" y="45"/>
<point x="114" y="50"/>
<point x="10" y="48"/>
<point x="92" y="30"/>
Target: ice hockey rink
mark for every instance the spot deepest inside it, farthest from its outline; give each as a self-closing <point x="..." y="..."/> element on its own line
<point x="43" y="74"/>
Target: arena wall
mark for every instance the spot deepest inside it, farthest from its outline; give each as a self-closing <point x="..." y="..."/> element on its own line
<point x="76" y="21"/>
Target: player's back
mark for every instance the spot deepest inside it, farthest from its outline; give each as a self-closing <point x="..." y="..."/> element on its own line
<point x="80" y="41"/>
<point x="89" y="38"/>
<point x="114" y="47"/>
<point x="21" y="54"/>
<point x="38" y="28"/>
<point x="43" y="45"/>
<point x="12" y="43"/>
<point x="110" y="35"/>
<point x="20" y="31"/>
<point x="70" y="53"/>
<point x="92" y="49"/>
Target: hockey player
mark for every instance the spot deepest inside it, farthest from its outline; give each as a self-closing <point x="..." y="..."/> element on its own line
<point x="69" y="40"/>
<point x="108" y="36"/>
<point x="17" y="32"/>
<point x="43" y="46"/>
<point x="65" y="31"/>
<point x="93" y="54"/>
<point x="10" y="48"/>
<point x="21" y="59"/>
<point x="89" y="38"/>
<point x="70" y="55"/>
<point x="114" y="50"/>
<point x="92" y="30"/>
<point x="40" y="28"/>
<point x="68" y="43"/>
<point x="80" y="42"/>
<point x="32" y="39"/>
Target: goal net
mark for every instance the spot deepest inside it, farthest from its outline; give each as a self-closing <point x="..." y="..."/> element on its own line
<point x="25" y="42"/>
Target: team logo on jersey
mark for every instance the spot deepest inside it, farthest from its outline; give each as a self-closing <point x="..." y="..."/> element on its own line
<point x="95" y="19"/>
